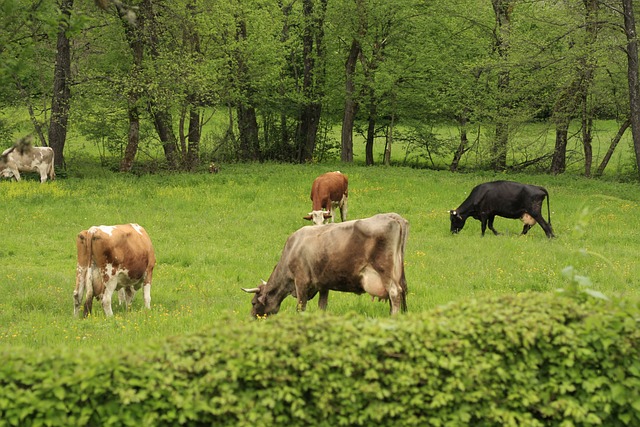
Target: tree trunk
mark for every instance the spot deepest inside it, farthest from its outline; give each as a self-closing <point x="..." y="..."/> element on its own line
<point x="193" y="149"/>
<point x="387" y="147"/>
<point x="371" y="131"/>
<point x="559" y="159"/>
<point x="247" y="120"/>
<point x="462" y="147"/>
<point x="132" y="33"/>
<point x="503" y="10"/>
<point x="564" y="109"/>
<point x="61" y="89"/>
<point x="633" y="78"/>
<point x="163" y="124"/>
<point x="192" y="40"/>
<point x="612" y="147"/>
<point x="587" y="138"/>
<point x="313" y="77"/>
<point x="351" y="105"/>
<point x="248" y="133"/>
<point x="587" y="67"/>
<point x="133" y="137"/>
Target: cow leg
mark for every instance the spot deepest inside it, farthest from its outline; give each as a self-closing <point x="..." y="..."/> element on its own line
<point x="88" y="302"/>
<point x="343" y="209"/>
<point x="526" y="229"/>
<point x="127" y="295"/>
<point x="396" y="296"/>
<point x="16" y="174"/>
<point x="323" y="299"/>
<point x="490" y="223"/>
<point x="146" y="289"/>
<point x="544" y="224"/>
<point x="483" y="224"/>
<point x="302" y="293"/>
<point x="43" y="173"/>
<point x="109" y="289"/>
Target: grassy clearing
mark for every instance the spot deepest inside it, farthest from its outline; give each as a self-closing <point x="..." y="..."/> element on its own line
<point x="216" y="233"/>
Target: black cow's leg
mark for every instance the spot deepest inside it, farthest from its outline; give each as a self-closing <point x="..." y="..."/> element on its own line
<point x="491" y="218"/>
<point x="526" y="229"/>
<point x="483" y="224"/>
<point x="544" y="224"/>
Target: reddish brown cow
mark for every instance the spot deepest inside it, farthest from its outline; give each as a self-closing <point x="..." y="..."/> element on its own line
<point x="113" y="258"/>
<point x="328" y="192"/>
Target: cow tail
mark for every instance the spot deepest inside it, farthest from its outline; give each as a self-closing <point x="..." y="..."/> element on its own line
<point x="403" y="280"/>
<point x="52" y="168"/>
<point x="88" y="282"/>
<point x="548" y="208"/>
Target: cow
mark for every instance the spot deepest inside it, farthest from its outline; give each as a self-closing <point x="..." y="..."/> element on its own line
<point x="328" y="192"/>
<point x="23" y="157"/>
<point x="113" y="258"/>
<point x="358" y="256"/>
<point x="506" y="199"/>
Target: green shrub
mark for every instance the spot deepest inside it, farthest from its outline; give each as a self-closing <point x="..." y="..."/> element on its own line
<point x="527" y="360"/>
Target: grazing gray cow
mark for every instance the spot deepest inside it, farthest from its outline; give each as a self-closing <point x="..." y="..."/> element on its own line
<point x="365" y="255"/>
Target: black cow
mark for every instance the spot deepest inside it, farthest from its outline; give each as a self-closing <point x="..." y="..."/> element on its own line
<point x="506" y="199"/>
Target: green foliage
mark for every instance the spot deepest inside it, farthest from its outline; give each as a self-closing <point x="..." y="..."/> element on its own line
<point x="515" y="360"/>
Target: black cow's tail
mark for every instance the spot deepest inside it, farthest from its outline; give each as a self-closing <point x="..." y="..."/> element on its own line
<point x="548" y="208"/>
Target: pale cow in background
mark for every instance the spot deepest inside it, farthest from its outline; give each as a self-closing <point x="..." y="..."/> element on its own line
<point x="24" y="157"/>
<point x="328" y="192"/>
<point x="113" y="258"/>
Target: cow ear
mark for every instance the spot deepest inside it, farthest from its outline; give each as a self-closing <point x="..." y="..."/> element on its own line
<point x="308" y="217"/>
<point x="326" y="215"/>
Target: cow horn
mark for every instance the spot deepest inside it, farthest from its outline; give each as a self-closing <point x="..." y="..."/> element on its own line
<point x="251" y="290"/>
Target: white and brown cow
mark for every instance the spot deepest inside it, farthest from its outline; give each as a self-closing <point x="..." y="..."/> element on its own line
<point x="328" y="192"/>
<point x="365" y="255"/>
<point x="113" y="258"/>
<point x="23" y="157"/>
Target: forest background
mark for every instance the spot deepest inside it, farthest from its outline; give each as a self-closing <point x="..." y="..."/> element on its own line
<point x="516" y="84"/>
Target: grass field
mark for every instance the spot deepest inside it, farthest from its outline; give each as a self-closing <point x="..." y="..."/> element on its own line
<point x="215" y="233"/>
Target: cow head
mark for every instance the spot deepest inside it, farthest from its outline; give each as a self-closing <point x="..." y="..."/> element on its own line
<point x="318" y="217"/>
<point x="4" y="163"/>
<point x="457" y="221"/>
<point x="263" y="302"/>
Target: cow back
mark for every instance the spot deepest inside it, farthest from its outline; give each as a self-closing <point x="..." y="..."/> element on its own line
<point x="126" y="246"/>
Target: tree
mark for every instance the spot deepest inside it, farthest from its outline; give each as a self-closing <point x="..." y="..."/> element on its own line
<point x="503" y="10"/>
<point x="61" y="86"/>
<point x="133" y="29"/>
<point x="313" y="57"/>
<point x="633" y="77"/>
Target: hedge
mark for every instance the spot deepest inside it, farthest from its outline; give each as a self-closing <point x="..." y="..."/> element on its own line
<point x="511" y="360"/>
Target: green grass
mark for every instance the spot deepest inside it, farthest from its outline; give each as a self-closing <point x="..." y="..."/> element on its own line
<point x="216" y="233"/>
